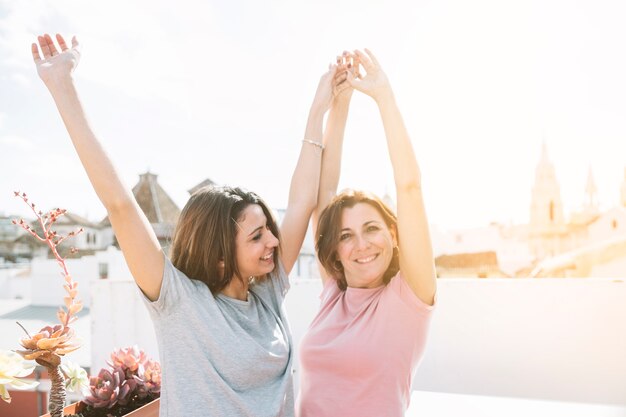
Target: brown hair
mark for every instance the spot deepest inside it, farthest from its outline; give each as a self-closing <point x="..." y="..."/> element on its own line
<point x="206" y="231"/>
<point x="329" y="228"/>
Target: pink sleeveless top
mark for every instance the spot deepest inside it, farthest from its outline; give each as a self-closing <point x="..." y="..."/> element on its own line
<point x="360" y="352"/>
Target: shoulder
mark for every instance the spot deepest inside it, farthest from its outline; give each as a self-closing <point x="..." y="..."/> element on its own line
<point x="399" y="288"/>
<point x="330" y="291"/>
<point x="175" y="286"/>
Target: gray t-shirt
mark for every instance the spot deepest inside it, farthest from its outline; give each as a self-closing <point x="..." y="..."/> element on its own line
<point x="221" y="356"/>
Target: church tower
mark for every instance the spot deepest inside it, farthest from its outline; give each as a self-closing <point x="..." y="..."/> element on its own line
<point x="547" y="223"/>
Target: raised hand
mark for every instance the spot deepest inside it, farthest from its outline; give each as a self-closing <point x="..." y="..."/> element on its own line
<point x="374" y="83"/>
<point x="55" y="65"/>
<point x="324" y="94"/>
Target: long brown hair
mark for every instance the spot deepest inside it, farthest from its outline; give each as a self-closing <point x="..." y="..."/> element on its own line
<point x="329" y="230"/>
<point x="206" y="231"/>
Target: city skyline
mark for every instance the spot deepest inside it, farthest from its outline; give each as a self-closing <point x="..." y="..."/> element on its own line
<point x="480" y="86"/>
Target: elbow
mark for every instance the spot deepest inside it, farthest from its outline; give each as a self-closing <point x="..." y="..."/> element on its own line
<point x="306" y="203"/>
<point x="119" y="205"/>
<point x="413" y="185"/>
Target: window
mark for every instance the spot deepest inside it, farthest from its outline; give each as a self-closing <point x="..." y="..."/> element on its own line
<point x="103" y="270"/>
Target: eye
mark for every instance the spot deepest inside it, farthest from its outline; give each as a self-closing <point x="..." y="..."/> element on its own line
<point x="344" y="236"/>
<point x="257" y="236"/>
<point x="372" y="228"/>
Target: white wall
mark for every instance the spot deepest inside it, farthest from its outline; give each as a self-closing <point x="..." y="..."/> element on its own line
<point x="14" y="283"/>
<point x="118" y="319"/>
<point x="556" y="339"/>
<point x="47" y="283"/>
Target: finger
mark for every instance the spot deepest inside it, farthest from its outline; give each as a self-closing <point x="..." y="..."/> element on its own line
<point x="355" y="65"/>
<point x="330" y="74"/>
<point x="364" y="60"/>
<point x="35" y="50"/>
<point x="372" y="57"/>
<point x="355" y="83"/>
<point x="51" y="46"/>
<point x="61" y="42"/>
<point x="341" y="77"/>
<point x="75" y="43"/>
<point x="45" y="49"/>
<point x="347" y="61"/>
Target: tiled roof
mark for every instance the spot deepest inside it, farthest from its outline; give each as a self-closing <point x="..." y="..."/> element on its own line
<point x="203" y="184"/>
<point x="157" y="205"/>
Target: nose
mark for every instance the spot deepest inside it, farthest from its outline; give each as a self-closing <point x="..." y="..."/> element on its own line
<point x="272" y="240"/>
<point x="362" y="242"/>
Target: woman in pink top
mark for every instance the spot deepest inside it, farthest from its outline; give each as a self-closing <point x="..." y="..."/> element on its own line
<point x="362" y="348"/>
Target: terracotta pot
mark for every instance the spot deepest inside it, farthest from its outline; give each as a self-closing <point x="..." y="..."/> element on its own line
<point x="149" y="410"/>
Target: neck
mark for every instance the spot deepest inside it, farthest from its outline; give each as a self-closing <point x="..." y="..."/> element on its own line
<point x="237" y="288"/>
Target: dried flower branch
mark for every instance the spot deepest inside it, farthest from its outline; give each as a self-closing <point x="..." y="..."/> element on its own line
<point x="50" y="343"/>
<point x="53" y="240"/>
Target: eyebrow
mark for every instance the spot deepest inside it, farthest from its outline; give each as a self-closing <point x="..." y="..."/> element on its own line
<point x="252" y="232"/>
<point x="364" y="224"/>
<point x="256" y="230"/>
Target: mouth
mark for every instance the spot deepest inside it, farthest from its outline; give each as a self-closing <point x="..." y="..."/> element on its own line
<point x="366" y="259"/>
<point x="268" y="257"/>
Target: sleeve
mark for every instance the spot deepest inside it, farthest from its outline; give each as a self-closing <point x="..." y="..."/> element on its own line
<point x="401" y="289"/>
<point x="281" y="280"/>
<point x="174" y="285"/>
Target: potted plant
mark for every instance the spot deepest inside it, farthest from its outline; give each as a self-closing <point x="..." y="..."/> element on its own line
<point x="132" y="379"/>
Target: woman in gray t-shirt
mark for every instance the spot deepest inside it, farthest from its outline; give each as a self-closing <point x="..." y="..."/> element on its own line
<point x="217" y="307"/>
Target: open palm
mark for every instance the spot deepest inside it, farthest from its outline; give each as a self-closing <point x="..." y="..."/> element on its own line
<point x="374" y="83"/>
<point x="55" y="64"/>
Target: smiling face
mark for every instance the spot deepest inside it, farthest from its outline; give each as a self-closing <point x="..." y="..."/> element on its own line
<point x="255" y="243"/>
<point x="365" y="247"/>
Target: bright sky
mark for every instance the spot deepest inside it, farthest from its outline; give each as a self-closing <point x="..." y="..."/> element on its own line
<point x="197" y="89"/>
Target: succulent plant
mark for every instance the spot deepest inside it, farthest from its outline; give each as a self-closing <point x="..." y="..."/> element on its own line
<point x="105" y="389"/>
<point x="76" y="378"/>
<point x="131" y="359"/>
<point x="48" y="344"/>
<point x="151" y="380"/>
<point x="12" y="368"/>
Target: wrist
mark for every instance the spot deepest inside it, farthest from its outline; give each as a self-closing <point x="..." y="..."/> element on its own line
<point x="343" y="99"/>
<point x="59" y="82"/>
<point x="385" y="96"/>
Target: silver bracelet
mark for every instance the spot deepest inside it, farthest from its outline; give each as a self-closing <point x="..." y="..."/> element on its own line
<point x="312" y="142"/>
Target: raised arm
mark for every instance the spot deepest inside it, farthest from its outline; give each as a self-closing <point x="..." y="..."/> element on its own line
<point x="133" y="231"/>
<point x="416" y="254"/>
<point x="333" y="142"/>
<point x="305" y="179"/>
